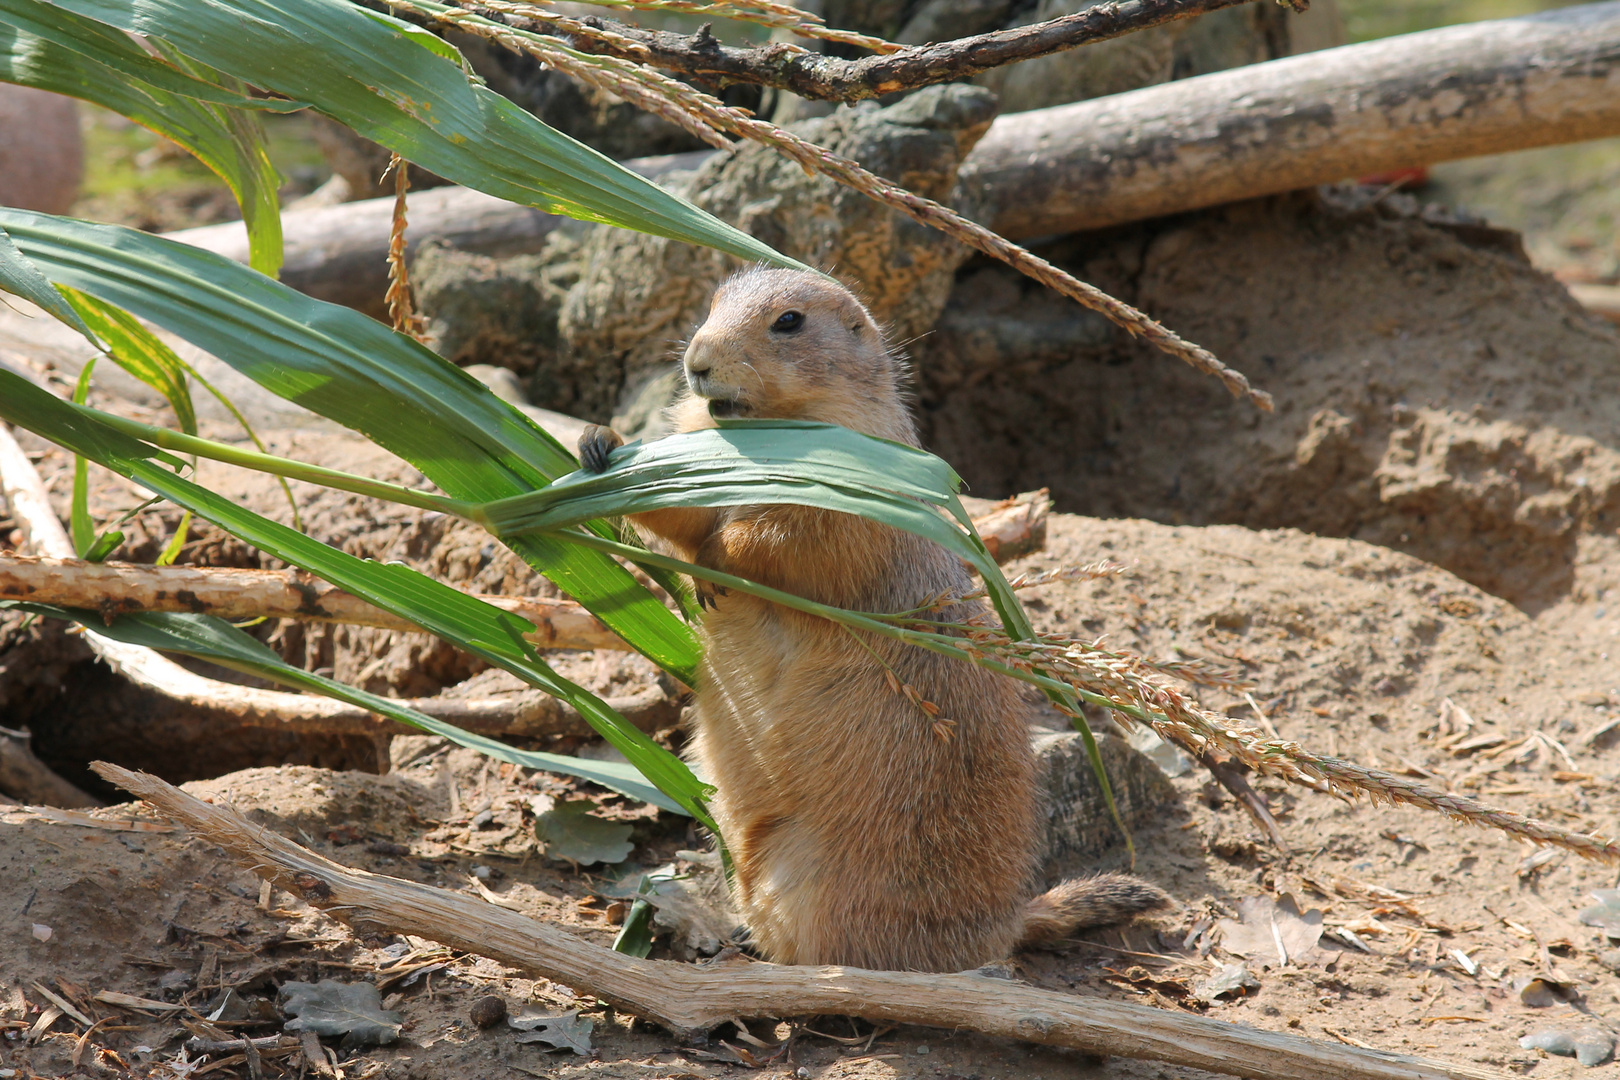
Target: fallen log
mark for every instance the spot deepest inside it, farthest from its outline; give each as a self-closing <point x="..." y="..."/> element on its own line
<point x="1461" y="91"/>
<point x="1602" y="300"/>
<point x="340" y="253"/>
<point x="1418" y="99"/>
<point x="687" y="999"/>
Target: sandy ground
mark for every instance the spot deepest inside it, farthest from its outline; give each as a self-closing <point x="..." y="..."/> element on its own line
<point x="1354" y="650"/>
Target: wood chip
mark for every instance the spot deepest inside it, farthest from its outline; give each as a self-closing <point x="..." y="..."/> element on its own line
<point x="130" y="1001"/>
<point x="63" y="1004"/>
<point x="1469" y="746"/>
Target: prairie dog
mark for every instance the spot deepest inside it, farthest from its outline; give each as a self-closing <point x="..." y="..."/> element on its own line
<point x="863" y="832"/>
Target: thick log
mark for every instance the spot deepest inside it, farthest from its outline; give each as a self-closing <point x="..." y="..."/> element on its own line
<point x="339" y="253"/>
<point x="1461" y="91"/>
<point x="1418" y="99"/>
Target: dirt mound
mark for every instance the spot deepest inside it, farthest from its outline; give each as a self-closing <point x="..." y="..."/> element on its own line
<point x="1435" y="393"/>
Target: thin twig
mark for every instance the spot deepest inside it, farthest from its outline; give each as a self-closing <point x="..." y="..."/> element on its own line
<point x="710" y="119"/>
<point x="688" y="999"/>
<point x="1230" y="777"/>
<point x="821" y="77"/>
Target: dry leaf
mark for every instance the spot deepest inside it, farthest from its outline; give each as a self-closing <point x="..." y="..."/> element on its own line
<point x="1273" y="933"/>
<point x="564" y="1032"/>
<point x="352" y="1010"/>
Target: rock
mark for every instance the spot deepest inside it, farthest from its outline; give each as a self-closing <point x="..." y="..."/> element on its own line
<point x="639" y="295"/>
<point x="496" y="311"/>
<point x="1590" y="1045"/>
<point x="360" y="162"/>
<point x="594" y="117"/>
<point x="41" y="150"/>
<point x="1079" y="827"/>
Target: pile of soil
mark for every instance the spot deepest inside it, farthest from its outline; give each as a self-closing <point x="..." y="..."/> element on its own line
<point x="1436" y="394"/>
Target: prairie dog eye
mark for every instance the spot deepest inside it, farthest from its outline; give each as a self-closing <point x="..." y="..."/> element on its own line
<point x="789" y="322"/>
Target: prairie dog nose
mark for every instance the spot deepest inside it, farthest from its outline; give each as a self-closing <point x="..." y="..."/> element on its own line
<point x="698" y="359"/>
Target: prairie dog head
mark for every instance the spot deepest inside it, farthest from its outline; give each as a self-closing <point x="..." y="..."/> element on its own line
<point x="792" y="345"/>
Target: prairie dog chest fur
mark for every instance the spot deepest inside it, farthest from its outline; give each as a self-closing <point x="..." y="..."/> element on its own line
<point x="879" y="800"/>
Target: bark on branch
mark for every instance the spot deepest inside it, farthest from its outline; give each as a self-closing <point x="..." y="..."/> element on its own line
<point x="528" y="713"/>
<point x="1010" y="528"/>
<point x="112" y="589"/>
<point x="688" y="999"/>
<point x="829" y="78"/>
<point x="1418" y="99"/>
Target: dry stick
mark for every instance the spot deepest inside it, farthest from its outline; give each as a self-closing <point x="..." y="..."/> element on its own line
<point x="1010" y="529"/>
<point x="111" y="589"/>
<point x="527" y="713"/>
<point x="759" y="12"/>
<point x="829" y="78"/>
<point x="687" y="999"/>
<point x="707" y="117"/>
<point x="1229" y="777"/>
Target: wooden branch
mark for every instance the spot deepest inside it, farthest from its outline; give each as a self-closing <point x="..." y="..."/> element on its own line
<point x="821" y="77"/>
<point x="1010" y="528"/>
<point x="340" y="253"/>
<point x="687" y="999"/>
<point x="528" y="713"/>
<point x="115" y="588"/>
<point x="1600" y="300"/>
<point x="1230" y="775"/>
<point x="1418" y="99"/>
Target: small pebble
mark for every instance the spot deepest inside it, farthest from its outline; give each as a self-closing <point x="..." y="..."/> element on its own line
<point x="923" y="1049"/>
<point x="482" y="873"/>
<point x="802" y="1073"/>
<point x="488" y="1011"/>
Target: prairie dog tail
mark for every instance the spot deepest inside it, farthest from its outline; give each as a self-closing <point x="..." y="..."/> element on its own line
<point x="1089" y="901"/>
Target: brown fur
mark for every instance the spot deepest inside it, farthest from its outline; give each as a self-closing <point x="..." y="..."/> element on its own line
<point x="859" y="836"/>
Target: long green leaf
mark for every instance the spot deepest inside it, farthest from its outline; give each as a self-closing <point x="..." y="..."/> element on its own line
<point x="482" y="629"/>
<point x="82" y="529"/>
<point x="107" y="47"/>
<point x="100" y="66"/>
<point x="218" y="642"/>
<point x="400" y="86"/>
<point x="351" y="369"/>
<point x="135" y="349"/>
<point x="22" y="278"/>
<point x="754" y="461"/>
